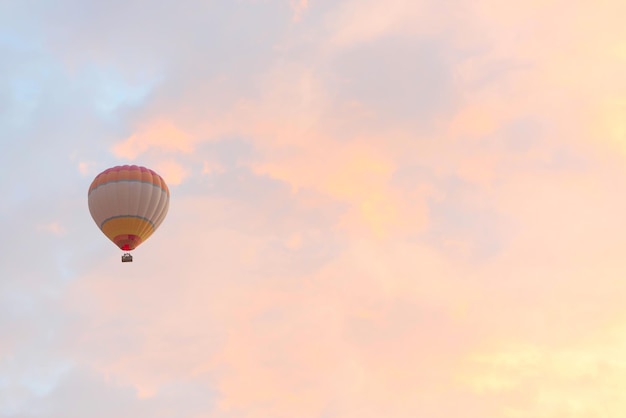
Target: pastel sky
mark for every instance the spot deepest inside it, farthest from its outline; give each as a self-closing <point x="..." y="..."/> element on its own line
<point x="408" y="208"/>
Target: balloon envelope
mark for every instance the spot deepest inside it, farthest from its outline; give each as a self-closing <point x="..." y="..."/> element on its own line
<point x="128" y="203"/>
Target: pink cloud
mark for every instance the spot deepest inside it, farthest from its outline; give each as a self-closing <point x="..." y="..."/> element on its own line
<point x="298" y="7"/>
<point x="395" y="322"/>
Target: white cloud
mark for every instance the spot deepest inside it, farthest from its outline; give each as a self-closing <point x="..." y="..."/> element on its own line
<point x="55" y="228"/>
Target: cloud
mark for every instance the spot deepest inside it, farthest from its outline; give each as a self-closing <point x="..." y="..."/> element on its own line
<point x="357" y="22"/>
<point x="53" y="228"/>
<point x="298" y="7"/>
<point x="162" y="135"/>
<point x="173" y="172"/>
<point x="408" y="209"/>
<point x="84" y="168"/>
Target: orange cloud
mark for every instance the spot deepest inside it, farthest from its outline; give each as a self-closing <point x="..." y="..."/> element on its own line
<point x="384" y="326"/>
<point x="159" y="134"/>
<point x="172" y="172"/>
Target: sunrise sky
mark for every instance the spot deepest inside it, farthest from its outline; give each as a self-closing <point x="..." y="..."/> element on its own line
<point x="398" y="209"/>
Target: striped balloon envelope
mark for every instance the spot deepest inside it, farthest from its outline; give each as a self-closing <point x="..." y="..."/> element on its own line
<point x="128" y="203"/>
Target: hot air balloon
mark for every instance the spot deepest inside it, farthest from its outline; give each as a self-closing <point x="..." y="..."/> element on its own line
<point x="128" y="203"/>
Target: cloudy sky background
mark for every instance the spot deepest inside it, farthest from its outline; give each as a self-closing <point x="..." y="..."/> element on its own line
<point x="409" y="208"/>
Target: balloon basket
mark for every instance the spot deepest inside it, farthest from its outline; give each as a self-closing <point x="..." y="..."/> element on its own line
<point x="127" y="258"/>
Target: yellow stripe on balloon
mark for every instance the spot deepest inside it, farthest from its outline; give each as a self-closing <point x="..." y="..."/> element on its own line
<point x="125" y="225"/>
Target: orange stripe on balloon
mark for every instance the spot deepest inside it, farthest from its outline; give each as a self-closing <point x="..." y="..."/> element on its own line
<point x="129" y="173"/>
